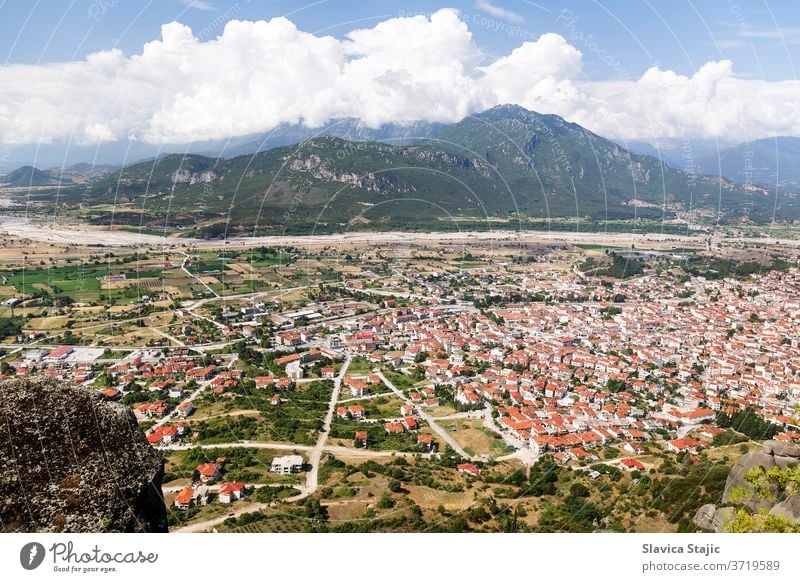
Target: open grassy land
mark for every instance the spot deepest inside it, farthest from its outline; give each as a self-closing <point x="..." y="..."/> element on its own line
<point x="297" y="419"/>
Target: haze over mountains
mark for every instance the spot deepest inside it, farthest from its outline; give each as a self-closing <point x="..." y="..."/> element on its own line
<point x="119" y="153"/>
<point x="504" y="163"/>
<point x="767" y="162"/>
<point x="771" y="163"/>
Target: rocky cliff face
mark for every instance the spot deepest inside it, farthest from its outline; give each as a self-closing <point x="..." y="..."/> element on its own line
<point x="773" y="454"/>
<point x="75" y="463"/>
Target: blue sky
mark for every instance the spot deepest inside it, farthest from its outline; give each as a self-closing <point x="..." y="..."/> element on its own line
<point x="762" y="38"/>
<point x="172" y="71"/>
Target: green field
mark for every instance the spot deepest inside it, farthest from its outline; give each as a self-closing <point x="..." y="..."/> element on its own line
<point x="81" y="282"/>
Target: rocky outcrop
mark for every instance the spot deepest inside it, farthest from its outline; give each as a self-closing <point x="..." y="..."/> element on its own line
<point x="788" y="508"/>
<point x="73" y="462"/>
<point x="712" y="518"/>
<point x="773" y="453"/>
<point x="191" y="178"/>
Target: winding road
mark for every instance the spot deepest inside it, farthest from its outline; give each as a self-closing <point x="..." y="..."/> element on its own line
<point x="427" y="418"/>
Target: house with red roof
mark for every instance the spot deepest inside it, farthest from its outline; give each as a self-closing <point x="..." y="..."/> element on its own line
<point x="469" y="469"/>
<point x="632" y="464"/>
<point x="360" y="440"/>
<point x="425" y="442"/>
<point x="686" y="444"/>
<point x="209" y="472"/>
<point x="185" y="498"/>
<point x="233" y="491"/>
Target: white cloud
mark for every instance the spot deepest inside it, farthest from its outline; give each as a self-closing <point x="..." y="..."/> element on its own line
<point x="778" y="33"/>
<point x="257" y="75"/>
<point x="498" y="11"/>
<point x="199" y="4"/>
<point x="537" y="75"/>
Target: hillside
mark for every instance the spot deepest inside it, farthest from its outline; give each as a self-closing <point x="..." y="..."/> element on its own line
<point x="567" y="170"/>
<point x="347" y="129"/>
<point x="505" y="163"/>
<point x="766" y="162"/>
<point x="29" y="176"/>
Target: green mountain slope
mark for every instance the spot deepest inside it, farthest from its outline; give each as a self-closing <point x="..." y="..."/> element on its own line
<point x="567" y="170"/>
<point x="505" y="163"/>
<point x="29" y="176"/>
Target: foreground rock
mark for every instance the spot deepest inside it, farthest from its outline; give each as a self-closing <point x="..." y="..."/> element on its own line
<point x="75" y="463"/>
<point x="773" y="453"/>
<point x="712" y="518"/>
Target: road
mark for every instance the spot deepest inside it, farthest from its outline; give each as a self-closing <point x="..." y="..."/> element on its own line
<point x="195" y="277"/>
<point x="168" y="336"/>
<point x="314" y="458"/>
<point x="170" y="417"/>
<point x="312" y="479"/>
<point x="427" y="418"/>
<point x="333" y="449"/>
<point x="242" y="445"/>
<point x="243" y="508"/>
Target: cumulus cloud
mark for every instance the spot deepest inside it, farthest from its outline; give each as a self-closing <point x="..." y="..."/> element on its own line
<point x="257" y="75"/>
<point x="537" y="75"/>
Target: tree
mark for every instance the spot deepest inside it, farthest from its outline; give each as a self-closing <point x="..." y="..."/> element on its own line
<point x="578" y="490"/>
<point x="314" y="511"/>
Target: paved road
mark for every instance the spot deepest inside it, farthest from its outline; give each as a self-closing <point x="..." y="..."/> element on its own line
<point x="171" y="416"/>
<point x="236" y="512"/>
<point x="242" y="445"/>
<point x="459" y="415"/>
<point x="171" y="338"/>
<point x="312" y="480"/>
<point x="427" y="418"/>
<point x="312" y="477"/>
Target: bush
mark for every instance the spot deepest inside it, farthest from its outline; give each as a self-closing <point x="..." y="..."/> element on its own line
<point x="385" y="502"/>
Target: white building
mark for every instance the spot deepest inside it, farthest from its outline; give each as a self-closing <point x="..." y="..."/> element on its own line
<point x="287" y="464"/>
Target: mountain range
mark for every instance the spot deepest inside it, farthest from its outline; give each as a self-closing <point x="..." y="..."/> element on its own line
<point x="506" y="163"/>
<point x="773" y="162"/>
<point x="28" y="176"/>
<point x="81" y="173"/>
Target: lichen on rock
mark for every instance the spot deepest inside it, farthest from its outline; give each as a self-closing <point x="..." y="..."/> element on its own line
<point x="74" y="462"/>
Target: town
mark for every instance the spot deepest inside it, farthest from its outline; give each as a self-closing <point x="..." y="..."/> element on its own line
<point x="271" y="377"/>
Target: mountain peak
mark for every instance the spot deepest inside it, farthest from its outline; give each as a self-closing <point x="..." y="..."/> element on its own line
<point x="29" y="176"/>
<point x="508" y="110"/>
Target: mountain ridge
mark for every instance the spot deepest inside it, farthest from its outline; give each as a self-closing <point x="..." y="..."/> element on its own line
<point x="503" y="163"/>
<point x="770" y="162"/>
